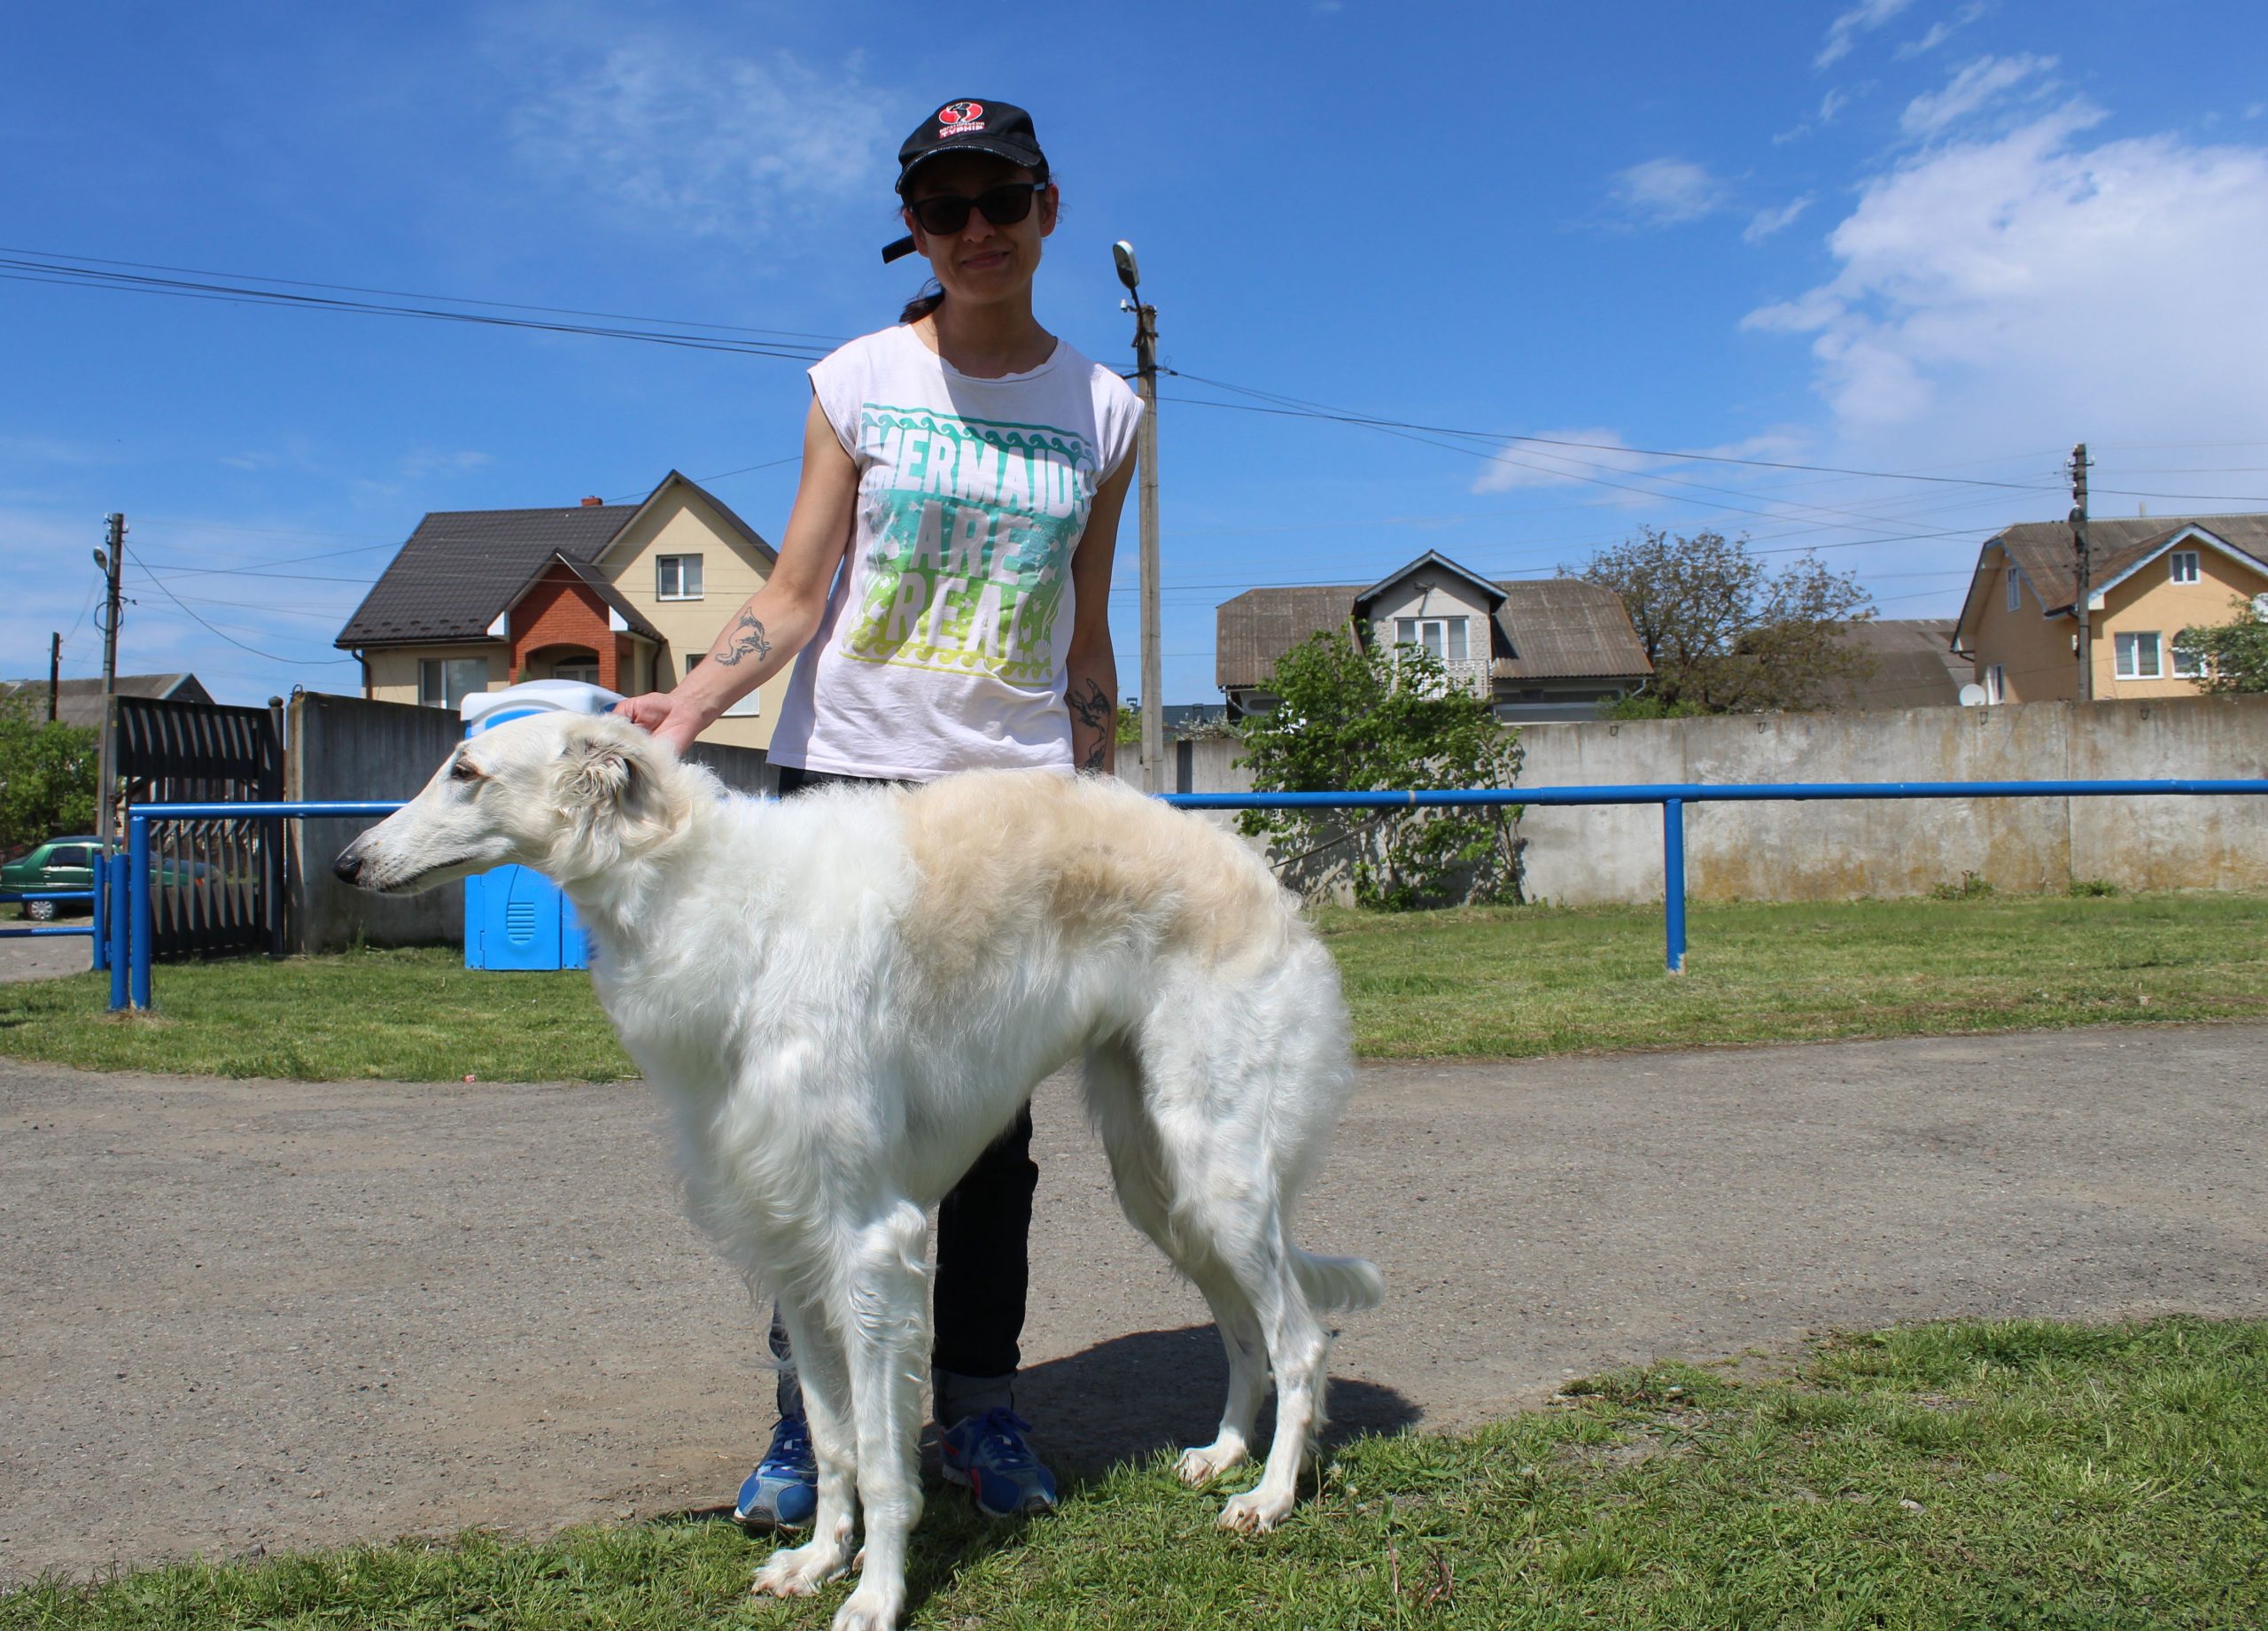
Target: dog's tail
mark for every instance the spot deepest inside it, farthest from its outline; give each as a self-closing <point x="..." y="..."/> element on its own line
<point x="1334" y="1283"/>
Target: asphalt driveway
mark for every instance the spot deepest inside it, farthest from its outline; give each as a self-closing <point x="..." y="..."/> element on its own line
<point x="243" y="1315"/>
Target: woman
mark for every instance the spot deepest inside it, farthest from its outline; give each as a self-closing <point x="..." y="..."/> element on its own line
<point x="948" y="562"/>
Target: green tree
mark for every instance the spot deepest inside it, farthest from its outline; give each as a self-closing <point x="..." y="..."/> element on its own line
<point x="2231" y="658"/>
<point x="47" y="776"/>
<point x="1366" y="720"/>
<point x="1725" y="634"/>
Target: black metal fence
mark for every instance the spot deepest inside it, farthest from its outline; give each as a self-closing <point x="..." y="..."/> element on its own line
<point x="216" y="886"/>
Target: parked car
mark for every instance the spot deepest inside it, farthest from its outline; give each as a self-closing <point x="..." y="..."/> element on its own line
<point x="69" y="864"/>
<point x="59" y="864"/>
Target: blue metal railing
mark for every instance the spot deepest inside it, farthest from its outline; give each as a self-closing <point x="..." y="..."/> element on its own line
<point x="129" y="931"/>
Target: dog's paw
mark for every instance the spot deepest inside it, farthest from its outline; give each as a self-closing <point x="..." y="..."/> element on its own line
<point x="871" y="1608"/>
<point x="1255" y="1513"/>
<point x="1200" y="1467"/>
<point x="799" y="1571"/>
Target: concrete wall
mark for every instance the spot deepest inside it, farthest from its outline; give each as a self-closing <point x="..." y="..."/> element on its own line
<point x="1839" y="849"/>
<point x="345" y="748"/>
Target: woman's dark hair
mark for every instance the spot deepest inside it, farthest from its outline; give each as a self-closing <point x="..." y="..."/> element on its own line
<point x="920" y="306"/>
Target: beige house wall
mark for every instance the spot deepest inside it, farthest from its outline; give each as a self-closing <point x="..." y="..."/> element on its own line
<point x="2150" y="600"/>
<point x="393" y="672"/>
<point x="731" y="571"/>
<point x="2033" y="650"/>
<point x="1429" y="593"/>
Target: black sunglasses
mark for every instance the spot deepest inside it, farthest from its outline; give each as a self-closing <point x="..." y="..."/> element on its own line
<point x="1004" y="206"/>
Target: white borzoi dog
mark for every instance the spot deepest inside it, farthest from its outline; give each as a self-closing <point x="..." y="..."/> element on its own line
<point x="843" y="999"/>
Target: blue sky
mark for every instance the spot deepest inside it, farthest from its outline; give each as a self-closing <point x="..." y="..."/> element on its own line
<point x="1911" y="236"/>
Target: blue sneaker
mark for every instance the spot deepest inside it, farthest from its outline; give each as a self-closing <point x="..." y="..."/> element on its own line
<point x="987" y="1454"/>
<point x="783" y="1491"/>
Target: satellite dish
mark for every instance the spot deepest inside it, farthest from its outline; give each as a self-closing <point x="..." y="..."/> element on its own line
<point x="1972" y="696"/>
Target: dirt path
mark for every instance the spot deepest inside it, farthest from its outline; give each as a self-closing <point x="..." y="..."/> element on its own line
<point x="279" y="1315"/>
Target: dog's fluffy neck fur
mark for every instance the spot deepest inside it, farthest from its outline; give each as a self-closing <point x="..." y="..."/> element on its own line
<point x="623" y="897"/>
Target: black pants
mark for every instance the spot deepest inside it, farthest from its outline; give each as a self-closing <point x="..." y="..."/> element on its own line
<point x="984" y="1252"/>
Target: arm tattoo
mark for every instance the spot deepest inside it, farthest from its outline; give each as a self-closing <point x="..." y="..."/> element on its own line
<point x="1094" y="757"/>
<point x="748" y="636"/>
<point x="1092" y="709"/>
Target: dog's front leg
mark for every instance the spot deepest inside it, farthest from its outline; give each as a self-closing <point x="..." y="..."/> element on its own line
<point x="887" y="1343"/>
<point x="824" y="1375"/>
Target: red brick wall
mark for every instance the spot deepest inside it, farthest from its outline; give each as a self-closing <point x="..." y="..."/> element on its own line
<point x="563" y="610"/>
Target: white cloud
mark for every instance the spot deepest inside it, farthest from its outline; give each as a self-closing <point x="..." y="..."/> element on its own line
<point x="1667" y="191"/>
<point x="1942" y="30"/>
<point x="1833" y="103"/>
<point x="1976" y="83"/>
<point x="1766" y="223"/>
<point x="711" y="145"/>
<point x="1843" y="33"/>
<point x="2025" y="291"/>
<point x="1594" y="455"/>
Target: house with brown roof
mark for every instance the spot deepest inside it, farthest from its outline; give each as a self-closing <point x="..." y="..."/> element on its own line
<point x="1910" y="663"/>
<point x="1539" y="648"/>
<point x="629" y="597"/>
<point x="2152" y="577"/>
<point x="79" y="701"/>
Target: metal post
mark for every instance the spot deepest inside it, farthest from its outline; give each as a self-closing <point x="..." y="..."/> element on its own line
<point x="2084" y="562"/>
<point x="119" y="899"/>
<point x="1145" y="456"/>
<point x="100" y="873"/>
<point x="138" y="910"/>
<point x="112" y="559"/>
<point x="1673" y="882"/>
<point x="54" y="673"/>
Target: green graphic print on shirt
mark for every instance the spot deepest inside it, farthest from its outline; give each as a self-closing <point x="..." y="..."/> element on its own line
<point x="970" y="527"/>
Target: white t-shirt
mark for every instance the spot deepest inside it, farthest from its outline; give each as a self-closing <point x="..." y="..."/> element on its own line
<point x="942" y="645"/>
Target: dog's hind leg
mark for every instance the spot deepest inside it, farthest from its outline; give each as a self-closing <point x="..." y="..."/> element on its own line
<point x="887" y="1345"/>
<point x="824" y="1375"/>
<point x="1138" y="1170"/>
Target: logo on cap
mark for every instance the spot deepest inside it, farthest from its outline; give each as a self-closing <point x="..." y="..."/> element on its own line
<point x="960" y="119"/>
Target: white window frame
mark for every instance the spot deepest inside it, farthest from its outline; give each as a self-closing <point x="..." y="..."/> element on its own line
<point x="2189" y="663"/>
<point x="2015" y="588"/>
<point x="444" y="682"/>
<point x="1996" y="684"/>
<point x="750" y="707"/>
<point x="558" y="671"/>
<point x="673" y="586"/>
<point x="1450" y="633"/>
<point x="2129" y="647"/>
<point x="2182" y="567"/>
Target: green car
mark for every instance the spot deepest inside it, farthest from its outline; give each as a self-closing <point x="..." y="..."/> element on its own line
<point x="59" y="864"/>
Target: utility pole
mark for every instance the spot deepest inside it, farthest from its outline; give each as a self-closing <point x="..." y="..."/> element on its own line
<point x="111" y="558"/>
<point x="54" y="673"/>
<point x="1145" y="453"/>
<point x="2085" y="570"/>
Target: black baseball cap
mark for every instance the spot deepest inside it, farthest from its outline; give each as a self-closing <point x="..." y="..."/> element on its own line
<point x="967" y="125"/>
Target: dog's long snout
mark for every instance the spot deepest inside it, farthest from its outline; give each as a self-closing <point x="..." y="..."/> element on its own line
<point x="349" y="863"/>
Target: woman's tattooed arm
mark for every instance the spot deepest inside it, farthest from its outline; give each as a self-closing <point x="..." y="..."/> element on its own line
<point x="745" y="638"/>
<point x="1093" y="717"/>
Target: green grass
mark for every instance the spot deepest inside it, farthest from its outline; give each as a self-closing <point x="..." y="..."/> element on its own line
<point x="414" y="1015"/>
<point x="1517" y="982"/>
<point x="1507" y="982"/>
<point x="2018" y="1475"/>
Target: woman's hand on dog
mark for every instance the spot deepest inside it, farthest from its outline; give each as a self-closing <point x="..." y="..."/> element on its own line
<point x="663" y="715"/>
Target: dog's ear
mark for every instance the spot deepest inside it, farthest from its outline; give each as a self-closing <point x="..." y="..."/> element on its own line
<point x="606" y="773"/>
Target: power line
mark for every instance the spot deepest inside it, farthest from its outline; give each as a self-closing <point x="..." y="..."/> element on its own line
<point x="89" y="276"/>
<point x="191" y="613"/>
<point x="407" y="294"/>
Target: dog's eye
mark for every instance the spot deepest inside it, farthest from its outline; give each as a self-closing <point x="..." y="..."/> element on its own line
<point x="464" y="770"/>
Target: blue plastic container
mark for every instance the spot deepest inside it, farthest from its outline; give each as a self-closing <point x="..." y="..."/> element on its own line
<point x="514" y="918"/>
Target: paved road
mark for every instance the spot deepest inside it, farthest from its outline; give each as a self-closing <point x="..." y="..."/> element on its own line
<point x="43" y="957"/>
<point x="264" y="1314"/>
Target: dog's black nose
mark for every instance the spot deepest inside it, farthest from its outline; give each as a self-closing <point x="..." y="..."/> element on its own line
<point x="347" y="865"/>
